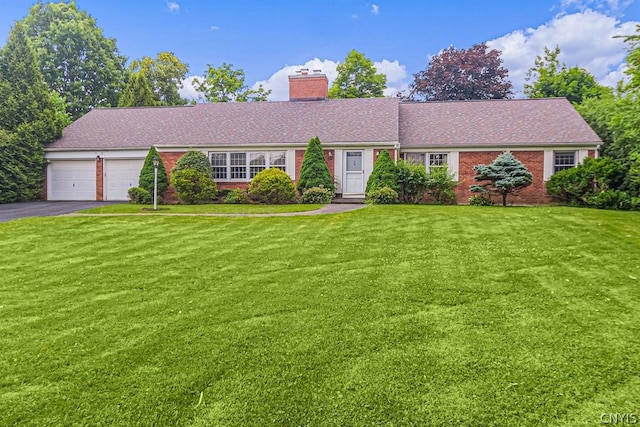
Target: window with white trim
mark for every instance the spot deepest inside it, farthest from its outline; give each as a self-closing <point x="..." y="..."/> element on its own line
<point x="243" y="166"/>
<point x="429" y="160"/>
<point x="563" y="160"/>
<point x="437" y="160"/>
<point x="415" y="158"/>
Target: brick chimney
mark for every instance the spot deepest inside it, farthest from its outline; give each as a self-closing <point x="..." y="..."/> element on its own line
<point x="308" y="87"/>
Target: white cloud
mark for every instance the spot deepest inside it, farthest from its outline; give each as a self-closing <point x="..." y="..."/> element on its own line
<point x="188" y="90"/>
<point x="279" y="81"/>
<point x="354" y="16"/>
<point x="610" y="7"/>
<point x="173" y="6"/>
<point x="215" y="28"/>
<point x="586" y="39"/>
<point x="375" y="9"/>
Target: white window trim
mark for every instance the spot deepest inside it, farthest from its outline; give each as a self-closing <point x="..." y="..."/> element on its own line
<point x="550" y="159"/>
<point x="453" y="158"/>
<point x="247" y="165"/>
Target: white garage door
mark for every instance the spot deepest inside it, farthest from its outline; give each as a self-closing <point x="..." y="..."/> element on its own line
<point x="119" y="176"/>
<point x="72" y="180"/>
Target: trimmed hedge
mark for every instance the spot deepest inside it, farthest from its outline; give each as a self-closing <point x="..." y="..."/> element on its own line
<point x="272" y="186"/>
<point x="193" y="186"/>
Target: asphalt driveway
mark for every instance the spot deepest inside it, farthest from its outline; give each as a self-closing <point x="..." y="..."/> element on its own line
<point x="11" y="211"/>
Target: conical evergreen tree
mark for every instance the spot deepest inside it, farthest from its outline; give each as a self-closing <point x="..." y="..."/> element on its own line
<point x="30" y="116"/>
<point x="384" y="174"/>
<point x="147" y="174"/>
<point x="137" y="92"/>
<point x="506" y="175"/>
<point x="314" y="171"/>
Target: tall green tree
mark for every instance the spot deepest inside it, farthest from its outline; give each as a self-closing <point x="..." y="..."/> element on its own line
<point x="165" y="75"/>
<point x="147" y="174"/>
<point x="462" y="74"/>
<point x="30" y="116"/>
<point x="314" y="171"/>
<point x="358" y="78"/>
<point x="506" y="175"/>
<point x="76" y="59"/>
<point x="226" y="84"/>
<point x="384" y="174"/>
<point x="548" y="78"/>
<point x="137" y="92"/>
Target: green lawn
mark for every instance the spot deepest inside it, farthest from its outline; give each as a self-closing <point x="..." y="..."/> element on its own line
<point x="202" y="209"/>
<point x="397" y="315"/>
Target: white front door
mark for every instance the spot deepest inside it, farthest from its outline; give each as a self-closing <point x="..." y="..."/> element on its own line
<point x="353" y="173"/>
<point x="119" y="176"/>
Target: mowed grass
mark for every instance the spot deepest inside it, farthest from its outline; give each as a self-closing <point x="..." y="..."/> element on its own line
<point x="202" y="209"/>
<point x="400" y="315"/>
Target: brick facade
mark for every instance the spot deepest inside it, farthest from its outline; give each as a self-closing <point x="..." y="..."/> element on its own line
<point x="308" y="87"/>
<point x="99" y="179"/>
<point x="329" y="158"/>
<point x="533" y="160"/>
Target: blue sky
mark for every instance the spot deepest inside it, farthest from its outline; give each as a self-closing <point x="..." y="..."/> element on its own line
<point x="270" y="39"/>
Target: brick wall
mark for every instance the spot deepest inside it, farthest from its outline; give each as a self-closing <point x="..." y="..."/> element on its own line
<point x="533" y="160"/>
<point x="169" y="159"/>
<point x="99" y="179"/>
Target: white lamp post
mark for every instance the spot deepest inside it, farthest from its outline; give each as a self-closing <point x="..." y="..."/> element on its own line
<point x="155" y="182"/>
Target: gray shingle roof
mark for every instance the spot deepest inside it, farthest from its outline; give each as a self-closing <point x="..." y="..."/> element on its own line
<point x="344" y="120"/>
<point x="496" y="122"/>
<point x="458" y="123"/>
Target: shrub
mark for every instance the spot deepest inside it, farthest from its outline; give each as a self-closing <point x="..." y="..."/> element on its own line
<point x="236" y="197"/>
<point x="384" y="174"/>
<point x="193" y="186"/>
<point x="382" y="196"/>
<point x="609" y="199"/>
<point x="314" y="171"/>
<point x="412" y="181"/>
<point x="272" y="186"/>
<point x="194" y="160"/>
<point x="576" y="185"/>
<point x="317" y="195"/>
<point x="147" y="174"/>
<point x="440" y="186"/>
<point x="139" y="196"/>
<point x="480" y="201"/>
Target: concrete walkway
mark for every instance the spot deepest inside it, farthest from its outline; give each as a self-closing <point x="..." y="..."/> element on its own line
<point x="327" y="209"/>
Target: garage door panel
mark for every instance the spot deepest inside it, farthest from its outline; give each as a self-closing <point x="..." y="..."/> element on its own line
<point x="72" y="180"/>
<point x="120" y="175"/>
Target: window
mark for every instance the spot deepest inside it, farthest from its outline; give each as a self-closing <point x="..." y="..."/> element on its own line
<point x="417" y="158"/>
<point x="437" y="160"/>
<point x="238" y="165"/>
<point x="257" y="163"/>
<point x="563" y="160"/>
<point x="219" y="164"/>
<point x="244" y="166"/>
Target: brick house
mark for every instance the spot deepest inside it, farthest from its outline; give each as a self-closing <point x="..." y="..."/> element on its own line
<point x="100" y="155"/>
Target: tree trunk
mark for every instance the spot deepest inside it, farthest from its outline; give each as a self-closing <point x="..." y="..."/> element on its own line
<point x="504" y="199"/>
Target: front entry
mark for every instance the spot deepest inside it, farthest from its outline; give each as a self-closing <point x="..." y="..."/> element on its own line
<point x="353" y="173"/>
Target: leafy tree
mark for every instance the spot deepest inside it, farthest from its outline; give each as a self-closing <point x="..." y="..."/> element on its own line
<point x="193" y="159"/>
<point x="441" y="185"/>
<point x="384" y="174"/>
<point x="550" y="79"/>
<point x="314" y="171"/>
<point x="358" y="78"/>
<point x="633" y="59"/>
<point x="137" y="92"/>
<point x="76" y="59"/>
<point x="193" y="186"/>
<point x="165" y="75"/>
<point x="474" y="73"/>
<point x="505" y="176"/>
<point x="30" y="116"/>
<point x="226" y="84"/>
<point x="147" y="174"/>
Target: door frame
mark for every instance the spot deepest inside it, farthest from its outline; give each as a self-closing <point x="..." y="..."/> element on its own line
<point x="345" y="172"/>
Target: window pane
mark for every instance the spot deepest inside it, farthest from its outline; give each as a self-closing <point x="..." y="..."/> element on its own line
<point x="257" y="159"/>
<point x="437" y="159"/>
<point x="219" y="159"/>
<point x="255" y="170"/>
<point x="416" y="158"/>
<point x="354" y="161"/>
<point x="238" y="165"/>
<point x="277" y="158"/>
